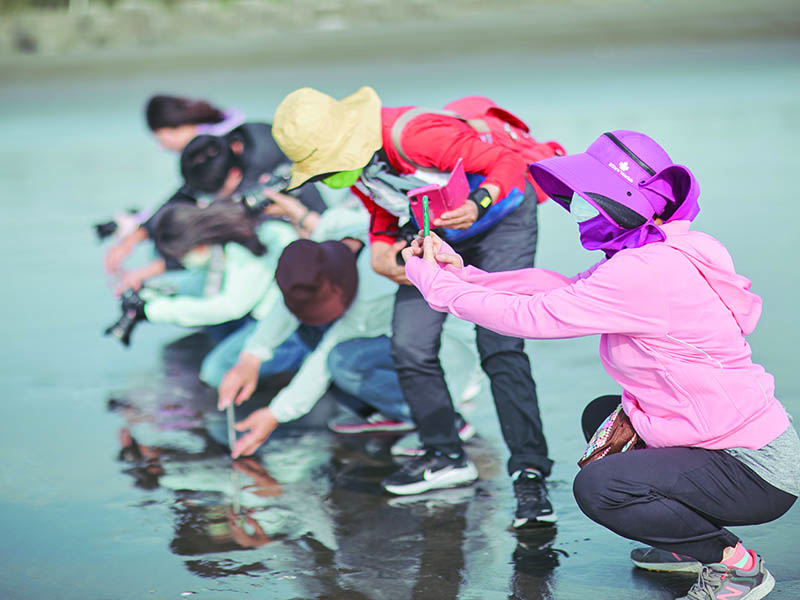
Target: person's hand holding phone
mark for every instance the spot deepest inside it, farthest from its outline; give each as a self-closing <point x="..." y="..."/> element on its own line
<point x="433" y="249"/>
<point x="384" y="260"/>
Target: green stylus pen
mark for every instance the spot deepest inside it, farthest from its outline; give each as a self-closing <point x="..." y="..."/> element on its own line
<point x="426" y="224"/>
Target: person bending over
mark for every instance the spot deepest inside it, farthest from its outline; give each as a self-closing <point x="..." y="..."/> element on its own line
<point x="216" y="168"/>
<point x="235" y="258"/>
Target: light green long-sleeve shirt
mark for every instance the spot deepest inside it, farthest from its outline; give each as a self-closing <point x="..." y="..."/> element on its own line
<point x="248" y="285"/>
<point x="370" y="315"/>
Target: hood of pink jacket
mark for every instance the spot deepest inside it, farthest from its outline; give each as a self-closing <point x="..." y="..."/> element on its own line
<point x="716" y="266"/>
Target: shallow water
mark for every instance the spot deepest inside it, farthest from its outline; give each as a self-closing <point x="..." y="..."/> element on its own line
<point x="79" y="522"/>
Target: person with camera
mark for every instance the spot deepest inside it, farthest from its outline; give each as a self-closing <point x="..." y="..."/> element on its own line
<point x="235" y="256"/>
<point x="383" y="153"/>
<point x="229" y="166"/>
<point x="174" y="121"/>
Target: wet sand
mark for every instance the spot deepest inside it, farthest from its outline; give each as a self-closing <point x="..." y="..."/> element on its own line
<point x="84" y="520"/>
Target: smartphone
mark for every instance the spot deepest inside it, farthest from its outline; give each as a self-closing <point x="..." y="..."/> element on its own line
<point x="440" y="198"/>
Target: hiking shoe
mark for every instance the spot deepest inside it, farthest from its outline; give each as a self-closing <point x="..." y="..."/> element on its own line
<point x="353" y="423"/>
<point x="718" y="581"/>
<point x="410" y="445"/>
<point x="533" y="505"/>
<point x="653" y="559"/>
<point x="432" y="470"/>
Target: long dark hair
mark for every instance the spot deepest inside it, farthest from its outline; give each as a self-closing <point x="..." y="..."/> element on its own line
<point x="185" y="226"/>
<point x="174" y="111"/>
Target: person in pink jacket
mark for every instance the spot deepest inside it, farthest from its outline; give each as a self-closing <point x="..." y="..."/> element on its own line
<point x="673" y="316"/>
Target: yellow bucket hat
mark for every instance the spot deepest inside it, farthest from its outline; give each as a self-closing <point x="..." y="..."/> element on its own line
<point x="320" y="134"/>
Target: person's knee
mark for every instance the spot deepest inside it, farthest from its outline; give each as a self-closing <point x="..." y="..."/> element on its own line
<point x="338" y="359"/>
<point x="591" y="489"/>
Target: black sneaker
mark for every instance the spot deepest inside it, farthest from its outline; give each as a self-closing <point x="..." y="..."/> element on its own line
<point x="653" y="559"/>
<point x="432" y="470"/>
<point x="533" y="505"/>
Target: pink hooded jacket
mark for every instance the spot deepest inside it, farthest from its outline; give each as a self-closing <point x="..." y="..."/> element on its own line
<point x="673" y="317"/>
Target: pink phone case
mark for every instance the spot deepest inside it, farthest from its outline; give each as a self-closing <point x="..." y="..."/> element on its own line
<point x="441" y="198"/>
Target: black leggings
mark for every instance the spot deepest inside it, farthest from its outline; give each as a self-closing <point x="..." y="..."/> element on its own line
<point x="676" y="499"/>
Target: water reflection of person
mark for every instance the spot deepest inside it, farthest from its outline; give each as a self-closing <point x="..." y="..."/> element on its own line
<point x="534" y="561"/>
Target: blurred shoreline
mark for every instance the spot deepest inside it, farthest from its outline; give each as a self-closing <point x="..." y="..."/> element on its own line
<point x="148" y="37"/>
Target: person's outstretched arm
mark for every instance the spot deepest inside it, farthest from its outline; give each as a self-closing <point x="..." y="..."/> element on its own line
<point x="621" y="296"/>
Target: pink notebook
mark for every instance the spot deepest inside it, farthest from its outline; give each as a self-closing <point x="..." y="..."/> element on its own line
<point x="441" y="198"/>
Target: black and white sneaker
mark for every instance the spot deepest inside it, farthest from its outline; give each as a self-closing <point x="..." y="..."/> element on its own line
<point x="533" y="505"/>
<point x="432" y="470"/>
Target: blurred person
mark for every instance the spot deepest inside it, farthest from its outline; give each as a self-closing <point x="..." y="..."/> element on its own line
<point x="236" y="257"/>
<point x="213" y="168"/>
<point x="383" y="153"/>
<point x="174" y="121"/>
<point x="673" y="316"/>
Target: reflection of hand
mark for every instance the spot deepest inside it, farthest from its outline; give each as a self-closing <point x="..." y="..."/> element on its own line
<point x="265" y="486"/>
<point x="384" y="260"/>
<point x="259" y="426"/>
<point x="246" y="540"/>
<point x="240" y="382"/>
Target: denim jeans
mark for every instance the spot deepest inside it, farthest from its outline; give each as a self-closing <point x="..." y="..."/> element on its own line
<point x="287" y="357"/>
<point x="364" y="378"/>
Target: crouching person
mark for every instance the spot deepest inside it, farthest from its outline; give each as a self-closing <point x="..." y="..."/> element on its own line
<point x="673" y="316"/>
<point x="235" y="257"/>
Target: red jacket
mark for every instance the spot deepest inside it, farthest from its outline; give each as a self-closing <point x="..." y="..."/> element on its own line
<point x="438" y="141"/>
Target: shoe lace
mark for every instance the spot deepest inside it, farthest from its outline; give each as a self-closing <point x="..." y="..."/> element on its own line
<point x="707" y="584"/>
<point x="529" y="488"/>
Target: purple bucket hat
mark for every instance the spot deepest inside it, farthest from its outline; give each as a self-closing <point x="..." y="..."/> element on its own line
<point x="631" y="180"/>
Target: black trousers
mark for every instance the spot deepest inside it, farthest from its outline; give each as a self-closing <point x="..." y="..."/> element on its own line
<point x="676" y="499"/>
<point x="417" y="329"/>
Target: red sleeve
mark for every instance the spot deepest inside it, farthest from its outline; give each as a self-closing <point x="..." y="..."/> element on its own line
<point x="382" y="223"/>
<point x="439" y="141"/>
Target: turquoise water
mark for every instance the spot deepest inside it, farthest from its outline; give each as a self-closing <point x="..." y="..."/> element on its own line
<point x="74" y="150"/>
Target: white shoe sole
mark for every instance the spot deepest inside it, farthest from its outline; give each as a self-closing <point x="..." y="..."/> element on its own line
<point x="540" y="520"/>
<point x="762" y="590"/>
<point x="451" y="478"/>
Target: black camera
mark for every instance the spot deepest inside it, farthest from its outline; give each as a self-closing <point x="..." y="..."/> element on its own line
<point x="104" y="230"/>
<point x="255" y="201"/>
<point x="132" y="313"/>
<point x="409" y="233"/>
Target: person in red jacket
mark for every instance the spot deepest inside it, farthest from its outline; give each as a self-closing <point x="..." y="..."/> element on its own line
<point x="381" y="153"/>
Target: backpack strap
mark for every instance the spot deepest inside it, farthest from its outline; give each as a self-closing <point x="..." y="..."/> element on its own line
<point x="478" y="125"/>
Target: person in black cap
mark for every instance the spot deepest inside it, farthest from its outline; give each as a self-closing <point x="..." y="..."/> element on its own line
<point x="216" y="167"/>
